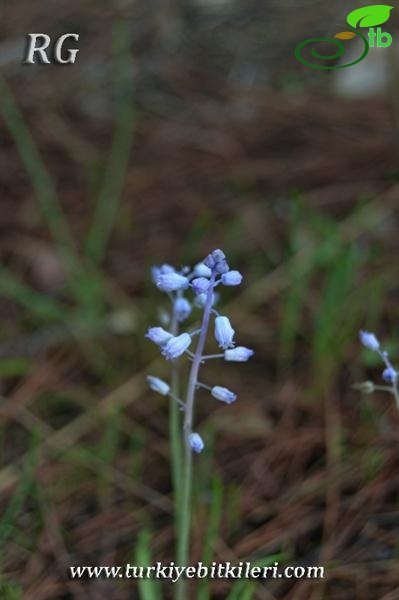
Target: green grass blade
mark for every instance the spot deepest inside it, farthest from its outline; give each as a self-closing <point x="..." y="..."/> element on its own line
<point x="211" y="534"/>
<point x="22" y="492"/>
<point x="149" y="589"/>
<point x="41" y="180"/>
<point x="37" y="304"/>
<point x="244" y="588"/>
<point x="115" y="171"/>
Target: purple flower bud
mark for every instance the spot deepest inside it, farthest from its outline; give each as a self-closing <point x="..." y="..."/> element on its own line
<point x="158" y="335"/>
<point x="239" y="354"/>
<point x="182" y="309"/>
<point x="218" y="255"/>
<point x="201" y="270"/>
<point x="222" y="267"/>
<point x="200" y="285"/>
<point x="223" y="394"/>
<point x="224" y="333"/>
<point x="214" y="258"/>
<point x="157" y="271"/>
<point x="389" y="375"/>
<point x="369" y="340"/>
<point x="231" y="278"/>
<point x="158" y="385"/>
<point x="196" y="442"/>
<point x="176" y="346"/>
<point x="171" y="282"/>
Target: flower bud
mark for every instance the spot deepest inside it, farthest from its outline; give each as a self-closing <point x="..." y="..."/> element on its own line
<point x="222" y="267"/>
<point x="369" y="340"/>
<point x="389" y="375"/>
<point x="182" y="309"/>
<point x="201" y="270"/>
<point x="171" y="282"/>
<point x="158" y="385"/>
<point x="157" y="271"/>
<point x="239" y="354"/>
<point x="196" y="442"/>
<point x="224" y="333"/>
<point x="366" y="387"/>
<point x="200" y="285"/>
<point x="176" y="346"/>
<point x="223" y="394"/>
<point x="158" y="335"/>
<point x="232" y="278"/>
<point x="214" y="258"/>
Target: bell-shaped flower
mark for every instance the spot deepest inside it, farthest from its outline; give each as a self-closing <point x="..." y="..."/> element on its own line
<point x="224" y="333"/>
<point x="158" y="385"/>
<point x="239" y="354"/>
<point x="176" y="346"/>
<point x="223" y="394"/>
<point x="182" y="309"/>
<point x="171" y="282"/>
<point x="158" y="335"/>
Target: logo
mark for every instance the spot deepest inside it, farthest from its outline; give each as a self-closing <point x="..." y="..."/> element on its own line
<point x="38" y="47"/>
<point x="368" y="16"/>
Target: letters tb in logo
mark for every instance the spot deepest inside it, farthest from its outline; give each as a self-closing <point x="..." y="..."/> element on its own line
<point x="38" y="45"/>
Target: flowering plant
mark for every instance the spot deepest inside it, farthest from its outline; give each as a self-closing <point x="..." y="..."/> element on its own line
<point x="389" y="373"/>
<point x="202" y="281"/>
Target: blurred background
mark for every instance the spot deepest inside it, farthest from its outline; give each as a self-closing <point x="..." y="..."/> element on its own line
<point x="184" y="126"/>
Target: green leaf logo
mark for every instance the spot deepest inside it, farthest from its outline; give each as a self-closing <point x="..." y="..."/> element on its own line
<point x="369" y="16"/>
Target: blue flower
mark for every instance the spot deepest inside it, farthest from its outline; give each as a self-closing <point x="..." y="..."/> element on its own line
<point x="224" y="333"/>
<point x="200" y="285"/>
<point x="232" y="278"/>
<point x="182" y="309"/>
<point x="171" y="282"/>
<point x="223" y="394"/>
<point x="158" y="335"/>
<point x="196" y="442"/>
<point x="201" y="270"/>
<point x="158" y="385"/>
<point x="176" y="346"/>
<point x="389" y="375"/>
<point x="369" y="340"/>
<point x="239" y="354"/>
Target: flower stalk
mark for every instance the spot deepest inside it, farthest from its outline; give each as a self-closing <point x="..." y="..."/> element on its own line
<point x="173" y="344"/>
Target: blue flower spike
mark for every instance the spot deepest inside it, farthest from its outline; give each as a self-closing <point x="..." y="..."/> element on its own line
<point x="200" y="283"/>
